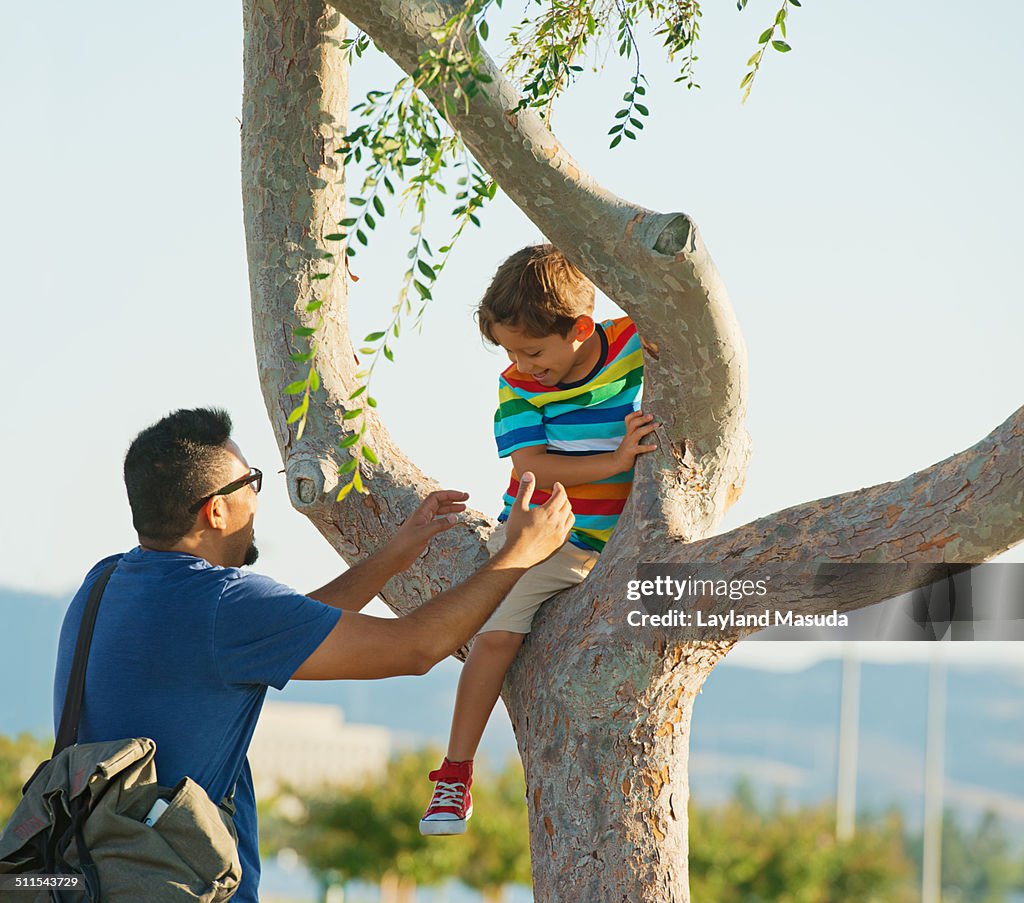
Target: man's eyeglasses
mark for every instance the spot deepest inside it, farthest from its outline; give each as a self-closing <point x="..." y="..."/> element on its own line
<point x="255" y="477"/>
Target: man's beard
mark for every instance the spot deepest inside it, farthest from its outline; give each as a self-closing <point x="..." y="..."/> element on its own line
<point x="251" y="554"/>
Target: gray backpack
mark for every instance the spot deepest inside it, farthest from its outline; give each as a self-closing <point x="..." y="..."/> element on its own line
<point x="82" y="815"/>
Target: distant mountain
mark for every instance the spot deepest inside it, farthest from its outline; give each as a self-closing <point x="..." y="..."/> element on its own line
<point x="781" y="729"/>
<point x="28" y="654"/>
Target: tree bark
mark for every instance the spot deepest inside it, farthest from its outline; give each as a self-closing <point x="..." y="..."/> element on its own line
<point x="602" y="716"/>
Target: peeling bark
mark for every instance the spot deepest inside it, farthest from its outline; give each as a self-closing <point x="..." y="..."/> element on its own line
<point x="602" y="716"/>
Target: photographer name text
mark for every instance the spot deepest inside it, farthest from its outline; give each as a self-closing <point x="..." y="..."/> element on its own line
<point x="729" y="619"/>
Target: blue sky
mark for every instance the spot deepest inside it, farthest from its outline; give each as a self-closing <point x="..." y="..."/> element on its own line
<point x="862" y="208"/>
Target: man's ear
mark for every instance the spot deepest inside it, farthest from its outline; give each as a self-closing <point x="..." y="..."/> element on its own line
<point x="214" y="513"/>
<point x="584" y="328"/>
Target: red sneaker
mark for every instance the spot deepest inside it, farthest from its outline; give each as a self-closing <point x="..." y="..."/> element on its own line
<point x="452" y="804"/>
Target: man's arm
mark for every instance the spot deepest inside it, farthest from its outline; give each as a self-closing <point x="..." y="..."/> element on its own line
<point x="354" y="588"/>
<point x="361" y="646"/>
<point x="571" y="470"/>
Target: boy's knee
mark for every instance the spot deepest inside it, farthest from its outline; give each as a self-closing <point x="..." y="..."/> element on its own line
<point x="500" y="639"/>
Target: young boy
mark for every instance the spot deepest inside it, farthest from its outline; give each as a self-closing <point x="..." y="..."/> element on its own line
<point x="568" y="411"/>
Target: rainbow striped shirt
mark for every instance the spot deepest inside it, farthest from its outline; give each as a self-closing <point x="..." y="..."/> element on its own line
<point x="580" y="418"/>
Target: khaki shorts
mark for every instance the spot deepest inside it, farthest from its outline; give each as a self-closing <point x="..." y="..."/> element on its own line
<point x="567" y="567"/>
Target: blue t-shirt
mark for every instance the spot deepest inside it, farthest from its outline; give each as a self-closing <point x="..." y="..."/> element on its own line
<point x="183" y="653"/>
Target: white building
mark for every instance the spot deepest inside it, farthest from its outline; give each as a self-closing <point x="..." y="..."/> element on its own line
<point x="308" y="745"/>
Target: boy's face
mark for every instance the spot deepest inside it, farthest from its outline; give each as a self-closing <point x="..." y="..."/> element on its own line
<point x="552" y="358"/>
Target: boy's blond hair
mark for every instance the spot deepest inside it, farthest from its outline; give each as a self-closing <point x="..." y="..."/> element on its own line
<point x="538" y="291"/>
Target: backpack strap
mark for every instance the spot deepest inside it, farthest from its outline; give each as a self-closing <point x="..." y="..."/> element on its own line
<point x="71" y="714"/>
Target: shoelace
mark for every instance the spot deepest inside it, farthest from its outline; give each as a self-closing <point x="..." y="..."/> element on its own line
<point x="448" y="793"/>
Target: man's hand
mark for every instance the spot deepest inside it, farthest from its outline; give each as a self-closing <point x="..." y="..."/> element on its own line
<point x="638" y="425"/>
<point x="435" y="515"/>
<point x="532" y="534"/>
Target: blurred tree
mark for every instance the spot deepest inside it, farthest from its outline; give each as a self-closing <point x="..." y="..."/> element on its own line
<point x="741" y="853"/>
<point x="371" y="832"/>
<point x="499" y="840"/>
<point x="18" y="758"/>
<point x="979" y="865"/>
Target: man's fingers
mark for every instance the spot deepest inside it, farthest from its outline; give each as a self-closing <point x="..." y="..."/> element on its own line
<point x="451" y="508"/>
<point x="441" y="524"/>
<point x="526" y="485"/>
<point x="558" y="497"/>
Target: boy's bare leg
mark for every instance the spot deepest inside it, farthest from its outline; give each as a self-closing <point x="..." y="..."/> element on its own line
<point x="479" y="689"/>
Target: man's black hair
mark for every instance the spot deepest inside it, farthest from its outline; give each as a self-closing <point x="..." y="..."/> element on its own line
<point x="172" y="464"/>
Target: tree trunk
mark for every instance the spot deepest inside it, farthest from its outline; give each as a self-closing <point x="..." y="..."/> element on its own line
<point x="602" y="716"/>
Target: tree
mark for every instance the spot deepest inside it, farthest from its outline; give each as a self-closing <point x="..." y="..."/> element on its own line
<point x="371" y="832"/>
<point x="19" y="757"/>
<point x="979" y="864"/>
<point x="743" y="852"/>
<point x="497" y="851"/>
<point x="602" y="718"/>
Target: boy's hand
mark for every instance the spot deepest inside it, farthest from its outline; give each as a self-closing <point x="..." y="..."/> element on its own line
<point x="532" y="534"/>
<point x="638" y="425"/>
<point x="434" y="515"/>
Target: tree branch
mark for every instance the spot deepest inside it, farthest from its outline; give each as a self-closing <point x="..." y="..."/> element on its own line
<point x="295" y="108"/>
<point x="964" y="510"/>
<point x="655" y="266"/>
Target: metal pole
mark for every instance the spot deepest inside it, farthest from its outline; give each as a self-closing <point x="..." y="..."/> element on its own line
<point x="849" y="727"/>
<point x="934" y="775"/>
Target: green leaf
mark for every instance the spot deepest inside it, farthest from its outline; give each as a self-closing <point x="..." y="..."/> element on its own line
<point x="317" y="276"/>
<point x="295" y="388"/>
<point x="374" y="337"/>
<point x="357" y="392"/>
<point x="303" y="331"/>
<point x="368" y="453"/>
<point x="314" y="380"/>
<point x="349" y="441"/>
<point x="388" y="353"/>
<point x="765" y="36"/>
<point x="483" y="29"/>
<point x="615" y="141"/>
<point x="335" y="236"/>
<point x="378" y="205"/>
<point x="423" y="290"/>
<point x="356" y="202"/>
<point x="426" y="269"/>
<point x="781" y="46"/>
<point x="642" y="110"/>
<point x="370" y="221"/>
<point x="314" y="305"/>
<point x="746" y="79"/>
<point x="302" y="357"/>
<point x="349" y="221"/>
<point x="351" y="415"/>
<point x="350" y="465"/>
<point x="344" y="491"/>
<point x="371" y="401"/>
<point x="361" y="235"/>
<point x="622" y="114"/>
<point x="357" y="481"/>
<point x="298" y="412"/>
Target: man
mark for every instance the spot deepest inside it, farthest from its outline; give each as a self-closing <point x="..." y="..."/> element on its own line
<point x="186" y="644"/>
